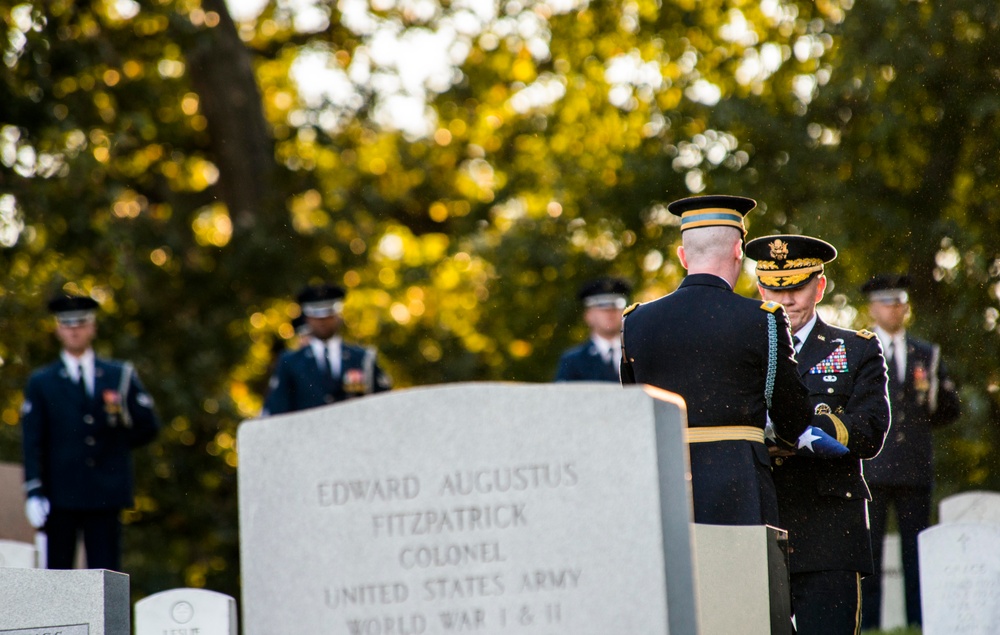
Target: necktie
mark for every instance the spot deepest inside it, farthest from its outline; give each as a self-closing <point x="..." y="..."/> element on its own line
<point x="890" y="361"/>
<point x="83" y="382"/>
<point x="796" y="342"/>
<point x="326" y="360"/>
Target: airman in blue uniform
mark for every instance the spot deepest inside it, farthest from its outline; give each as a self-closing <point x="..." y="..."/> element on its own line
<point x="729" y="357"/>
<point x="81" y="417"/>
<point x="923" y="398"/>
<point x="822" y="500"/>
<point x="599" y="358"/>
<point x="325" y="369"/>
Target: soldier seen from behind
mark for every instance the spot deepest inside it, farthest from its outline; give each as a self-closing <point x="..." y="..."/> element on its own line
<point x="729" y="357"/>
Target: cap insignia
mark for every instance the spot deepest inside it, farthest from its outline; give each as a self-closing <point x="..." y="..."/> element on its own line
<point x="779" y="249"/>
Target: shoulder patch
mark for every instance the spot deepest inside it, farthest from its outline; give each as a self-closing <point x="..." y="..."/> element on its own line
<point x="770" y="307"/>
<point x="630" y="308"/>
<point x="865" y="333"/>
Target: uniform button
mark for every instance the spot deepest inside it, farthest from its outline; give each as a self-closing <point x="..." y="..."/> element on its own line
<point x="829" y="390"/>
<point x="88" y="419"/>
<point x="90" y="462"/>
<point x="849" y="495"/>
<point x="89" y="440"/>
<point x="779" y="461"/>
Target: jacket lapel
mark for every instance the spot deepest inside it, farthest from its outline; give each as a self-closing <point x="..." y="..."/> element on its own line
<point x="817" y="347"/>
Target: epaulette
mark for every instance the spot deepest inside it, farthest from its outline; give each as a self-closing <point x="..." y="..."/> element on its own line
<point x="865" y="333"/>
<point x="770" y="307"/>
<point x="630" y="308"/>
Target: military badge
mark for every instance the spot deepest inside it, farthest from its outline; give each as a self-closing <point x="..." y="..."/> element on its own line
<point x="822" y="409"/>
<point x="920" y="380"/>
<point x="354" y="381"/>
<point x="112" y="405"/>
<point x="835" y="362"/>
<point x="779" y="249"/>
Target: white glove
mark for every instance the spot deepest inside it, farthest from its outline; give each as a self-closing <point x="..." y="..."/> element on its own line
<point x="37" y="510"/>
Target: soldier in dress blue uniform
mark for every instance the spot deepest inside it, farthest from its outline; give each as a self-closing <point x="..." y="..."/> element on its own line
<point x="82" y="416"/>
<point x="729" y="357"/>
<point x="599" y="358"/>
<point x="923" y="398"/>
<point x="326" y="369"/>
<point x="822" y="500"/>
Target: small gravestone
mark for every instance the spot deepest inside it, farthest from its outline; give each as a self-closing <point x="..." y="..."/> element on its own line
<point x="20" y="555"/>
<point x="893" y="611"/>
<point x="186" y="612"/>
<point x="971" y="507"/>
<point x="75" y="602"/>
<point x="556" y="509"/>
<point x="960" y="579"/>
<point x="733" y="595"/>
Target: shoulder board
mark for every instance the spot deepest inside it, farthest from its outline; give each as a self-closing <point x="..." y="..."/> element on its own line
<point x="770" y="307"/>
<point x="865" y="333"/>
<point x="630" y="308"/>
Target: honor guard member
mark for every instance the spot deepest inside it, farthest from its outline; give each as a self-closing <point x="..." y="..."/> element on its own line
<point x="82" y="416"/>
<point x="822" y="499"/>
<point x="599" y="358"/>
<point x="326" y="369"/>
<point x="729" y="357"/>
<point x="923" y="397"/>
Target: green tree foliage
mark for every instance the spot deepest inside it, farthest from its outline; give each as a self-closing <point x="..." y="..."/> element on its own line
<point x="170" y="163"/>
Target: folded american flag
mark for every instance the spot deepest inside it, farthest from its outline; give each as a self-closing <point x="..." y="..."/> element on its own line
<point x="812" y="442"/>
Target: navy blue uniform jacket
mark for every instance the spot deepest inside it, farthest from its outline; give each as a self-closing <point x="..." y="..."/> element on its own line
<point x="584" y="363"/>
<point x="925" y="399"/>
<point x="77" y="450"/>
<point x="298" y="383"/>
<point x="712" y="347"/>
<point x="822" y="501"/>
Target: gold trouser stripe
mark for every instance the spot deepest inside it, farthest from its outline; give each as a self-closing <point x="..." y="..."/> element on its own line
<point x="724" y="433"/>
<point x="857" y="612"/>
<point x="842" y="435"/>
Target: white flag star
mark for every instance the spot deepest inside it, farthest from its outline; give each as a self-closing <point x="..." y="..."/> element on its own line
<point x="806" y="439"/>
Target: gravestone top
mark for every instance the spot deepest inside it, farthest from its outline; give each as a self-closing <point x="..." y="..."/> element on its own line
<point x="960" y="579"/>
<point x="78" y="602"/>
<point x="186" y="610"/>
<point x="492" y="507"/>
<point x="975" y="506"/>
<point x="21" y="555"/>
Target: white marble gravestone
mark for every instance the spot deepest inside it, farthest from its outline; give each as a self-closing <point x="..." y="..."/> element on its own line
<point x="21" y="555"/>
<point x="74" y="602"/>
<point x="971" y="507"/>
<point x="555" y="508"/>
<point x="742" y="580"/>
<point x="893" y="610"/>
<point x="960" y="579"/>
<point x="186" y="612"/>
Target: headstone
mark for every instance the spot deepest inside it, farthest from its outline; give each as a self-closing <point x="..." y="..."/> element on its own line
<point x="20" y="555"/>
<point x="561" y="508"/>
<point x="960" y="579"/>
<point x="186" y="612"/>
<point x="13" y="524"/>
<point x="74" y="602"/>
<point x="893" y="611"/>
<point x="971" y="507"/>
<point x="733" y="596"/>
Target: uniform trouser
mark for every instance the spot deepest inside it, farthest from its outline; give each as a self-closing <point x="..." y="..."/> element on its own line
<point x="102" y="537"/>
<point x="826" y="602"/>
<point x="913" y="515"/>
